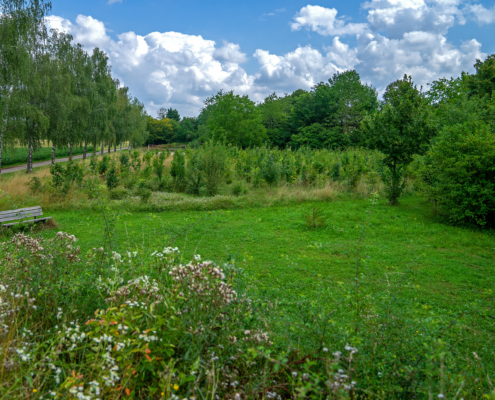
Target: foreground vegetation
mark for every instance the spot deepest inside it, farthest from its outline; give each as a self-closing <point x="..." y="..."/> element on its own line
<point x="320" y="288"/>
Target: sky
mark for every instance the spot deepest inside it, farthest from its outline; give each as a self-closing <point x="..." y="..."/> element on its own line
<point x="178" y="53"/>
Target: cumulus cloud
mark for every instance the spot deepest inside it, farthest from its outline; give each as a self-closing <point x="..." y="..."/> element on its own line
<point x="230" y="52"/>
<point x="172" y="69"/>
<point x="481" y="14"/>
<point x="165" y="69"/>
<point x="397" y="17"/>
<point x="324" y="21"/>
<point x="88" y="31"/>
<point x="302" y="68"/>
<point x="401" y="36"/>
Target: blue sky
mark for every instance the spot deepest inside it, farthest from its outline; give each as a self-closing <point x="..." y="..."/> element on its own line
<point x="257" y="47"/>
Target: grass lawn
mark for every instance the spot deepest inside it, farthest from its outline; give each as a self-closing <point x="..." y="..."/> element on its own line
<point x="437" y="265"/>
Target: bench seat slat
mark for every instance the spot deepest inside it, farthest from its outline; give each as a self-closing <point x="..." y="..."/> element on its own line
<point x="20" y="216"/>
<point x="34" y="212"/>
<point x="19" y="210"/>
<point x="27" y="222"/>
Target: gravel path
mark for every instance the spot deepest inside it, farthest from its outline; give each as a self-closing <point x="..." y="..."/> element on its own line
<point x="44" y="163"/>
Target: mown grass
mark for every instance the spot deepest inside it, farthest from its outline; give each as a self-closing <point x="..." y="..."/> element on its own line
<point x="446" y="266"/>
<point x="12" y="157"/>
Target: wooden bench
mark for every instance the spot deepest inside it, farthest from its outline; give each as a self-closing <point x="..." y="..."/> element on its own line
<point x="23" y="213"/>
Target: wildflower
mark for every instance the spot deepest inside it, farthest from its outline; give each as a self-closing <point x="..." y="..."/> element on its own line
<point x="176" y="387"/>
<point x="351" y="349"/>
<point x="294" y="374"/>
<point x="441" y="396"/>
<point x="325" y="350"/>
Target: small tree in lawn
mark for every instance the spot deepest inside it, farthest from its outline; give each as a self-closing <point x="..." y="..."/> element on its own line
<point x="178" y="171"/>
<point x="400" y="130"/>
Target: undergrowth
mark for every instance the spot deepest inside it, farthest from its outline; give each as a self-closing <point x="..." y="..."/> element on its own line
<point x="142" y="323"/>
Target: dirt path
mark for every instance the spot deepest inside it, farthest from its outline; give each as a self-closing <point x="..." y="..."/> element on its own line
<point x="18" y="168"/>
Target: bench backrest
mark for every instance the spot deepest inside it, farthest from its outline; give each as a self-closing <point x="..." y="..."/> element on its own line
<point x="22" y="213"/>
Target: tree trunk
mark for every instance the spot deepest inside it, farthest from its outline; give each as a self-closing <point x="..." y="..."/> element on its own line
<point x="30" y="157"/>
<point x="115" y="148"/>
<point x="53" y="155"/>
<point x="1" y="150"/>
<point x="85" y="150"/>
<point x="120" y="146"/>
<point x="129" y="146"/>
<point x="102" y="147"/>
<point x="70" y="153"/>
<point x="109" y="148"/>
<point x="2" y="133"/>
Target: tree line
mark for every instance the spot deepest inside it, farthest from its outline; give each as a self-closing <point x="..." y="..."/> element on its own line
<point x="53" y="90"/>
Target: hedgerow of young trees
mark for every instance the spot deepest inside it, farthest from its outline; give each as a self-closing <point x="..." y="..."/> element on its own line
<point x="53" y="90"/>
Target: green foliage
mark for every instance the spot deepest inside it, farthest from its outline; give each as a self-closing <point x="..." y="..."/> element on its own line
<point x="63" y="178"/>
<point x="104" y="165"/>
<point x="482" y="83"/>
<point x="178" y="170"/>
<point x="161" y="131"/>
<point x="169" y="113"/>
<point x="112" y="177"/>
<point x="315" y="218"/>
<point x="238" y="188"/>
<point x="194" y="173"/>
<point x="119" y="193"/>
<point x="213" y="160"/>
<point x="35" y="184"/>
<point x="235" y="120"/>
<point x="400" y="130"/>
<point x="143" y="192"/>
<point x="270" y="170"/>
<point x="459" y="173"/>
<point x="316" y="136"/>
<point x="124" y="160"/>
<point x="16" y="155"/>
<point x="335" y="172"/>
<point x="158" y="166"/>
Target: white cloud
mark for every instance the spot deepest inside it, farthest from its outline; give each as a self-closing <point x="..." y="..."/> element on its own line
<point x="88" y="31"/>
<point x="173" y="69"/>
<point x="302" y="68"/>
<point x="481" y="14"/>
<point x="230" y="52"/>
<point x="110" y="2"/>
<point x="165" y="69"/>
<point x="397" y="17"/>
<point x="324" y="21"/>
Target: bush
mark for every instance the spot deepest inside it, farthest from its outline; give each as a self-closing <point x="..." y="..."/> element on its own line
<point x="178" y="171"/>
<point x="35" y="184"/>
<point x="270" y="170"/>
<point x="124" y="160"/>
<point x="213" y="168"/>
<point x="158" y="166"/>
<point x="459" y="173"/>
<point x="239" y="188"/>
<point x="118" y="194"/>
<point x="194" y="174"/>
<point x="112" y="178"/>
<point x="64" y="178"/>
<point x="104" y="165"/>
<point x="143" y="192"/>
<point x="315" y="218"/>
